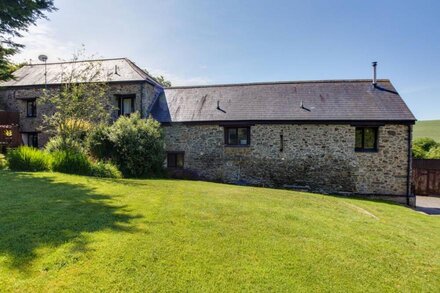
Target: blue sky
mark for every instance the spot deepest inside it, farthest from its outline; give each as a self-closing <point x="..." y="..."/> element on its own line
<point x="205" y="42"/>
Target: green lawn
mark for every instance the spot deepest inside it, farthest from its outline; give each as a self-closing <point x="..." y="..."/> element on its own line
<point x="428" y="128"/>
<point x="61" y="232"/>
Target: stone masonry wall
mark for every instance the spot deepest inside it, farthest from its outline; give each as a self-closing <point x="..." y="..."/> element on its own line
<point x="315" y="157"/>
<point x="12" y="100"/>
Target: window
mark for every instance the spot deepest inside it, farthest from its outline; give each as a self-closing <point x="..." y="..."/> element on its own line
<point x="237" y="136"/>
<point x="31" y="108"/>
<point x="126" y="105"/>
<point x="366" y="139"/>
<point x="30" y="139"/>
<point x="175" y="159"/>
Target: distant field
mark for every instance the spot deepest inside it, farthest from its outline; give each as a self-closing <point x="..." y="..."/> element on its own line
<point x="428" y="128"/>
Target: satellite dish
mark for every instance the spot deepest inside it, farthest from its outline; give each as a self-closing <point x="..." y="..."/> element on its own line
<point x="42" y="58"/>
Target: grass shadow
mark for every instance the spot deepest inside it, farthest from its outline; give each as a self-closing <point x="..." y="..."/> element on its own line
<point x="39" y="212"/>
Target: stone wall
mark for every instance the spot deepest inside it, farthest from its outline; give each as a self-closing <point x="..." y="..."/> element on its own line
<point x="12" y="99"/>
<point x="314" y="157"/>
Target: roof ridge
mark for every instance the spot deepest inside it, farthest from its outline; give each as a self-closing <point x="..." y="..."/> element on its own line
<point x="78" y="61"/>
<point x="140" y="71"/>
<point x="278" y="82"/>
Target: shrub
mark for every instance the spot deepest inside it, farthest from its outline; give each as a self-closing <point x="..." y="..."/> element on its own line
<point x="434" y="153"/>
<point x="25" y="158"/>
<point x="418" y="152"/>
<point x="106" y="170"/>
<point x="135" y="145"/>
<point x="3" y="162"/>
<point x="425" y="143"/>
<point x="71" y="162"/>
<point x="425" y="148"/>
<point x="56" y="143"/>
<point x="98" y="143"/>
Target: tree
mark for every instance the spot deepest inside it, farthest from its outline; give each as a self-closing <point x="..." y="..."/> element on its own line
<point x="79" y="103"/>
<point x="16" y="17"/>
<point x="161" y="79"/>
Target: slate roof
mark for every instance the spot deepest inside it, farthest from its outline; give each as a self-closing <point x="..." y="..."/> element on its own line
<point x="329" y="100"/>
<point x="113" y="70"/>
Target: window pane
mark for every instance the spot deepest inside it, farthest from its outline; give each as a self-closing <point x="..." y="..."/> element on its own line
<point x="369" y="138"/>
<point x="35" y="140"/>
<point x="232" y="136"/>
<point x="126" y="106"/>
<point x="32" y="140"/>
<point x="171" y="160"/>
<point x="242" y="136"/>
<point x="358" y="144"/>
<point x="179" y="160"/>
<point x="31" y="105"/>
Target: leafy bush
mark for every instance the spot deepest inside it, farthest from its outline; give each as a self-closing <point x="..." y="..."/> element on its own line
<point x="25" y="158"/>
<point x="3" y="162"/>
<point x="434" y="153"/>
<point x="98" y="142"/>
<point x="425" y="143"/>
<point x="418" y="152"/>
<point x="135" y="145"/>
<point x="56" y="143"/>
<point x="425" y="148"/>
<point x="71" y="162"/>
<point x="106" y="170"/>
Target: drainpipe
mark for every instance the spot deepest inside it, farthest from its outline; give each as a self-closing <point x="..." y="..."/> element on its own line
<point x="142" y="97"/>
<point x="408" y="178"/>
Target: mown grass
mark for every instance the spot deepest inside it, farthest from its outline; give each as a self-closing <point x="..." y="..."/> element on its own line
<point x="428" y="128"/>
<point x="66" y="232"/>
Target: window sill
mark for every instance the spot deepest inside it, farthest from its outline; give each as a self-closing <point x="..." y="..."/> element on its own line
<point x="237" y="145"/>
<point x="366" y="150"/>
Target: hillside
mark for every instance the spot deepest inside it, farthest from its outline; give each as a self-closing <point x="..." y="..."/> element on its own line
<point x="427" y="128"/>
<point x="81" y="234"/>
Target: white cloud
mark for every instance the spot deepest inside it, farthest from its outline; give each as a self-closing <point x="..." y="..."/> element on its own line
<point x="41" y="40"/>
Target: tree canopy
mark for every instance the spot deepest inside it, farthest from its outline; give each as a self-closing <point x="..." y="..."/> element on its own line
<point x="16" y="16"/>
<point x="161" y="79"/>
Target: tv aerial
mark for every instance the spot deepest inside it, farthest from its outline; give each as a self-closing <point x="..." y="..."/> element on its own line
<point x="42" y="58"/>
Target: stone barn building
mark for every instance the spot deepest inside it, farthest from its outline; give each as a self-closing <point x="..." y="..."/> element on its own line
<point x="332" y="136"/>
<point x="130" y="89"/>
